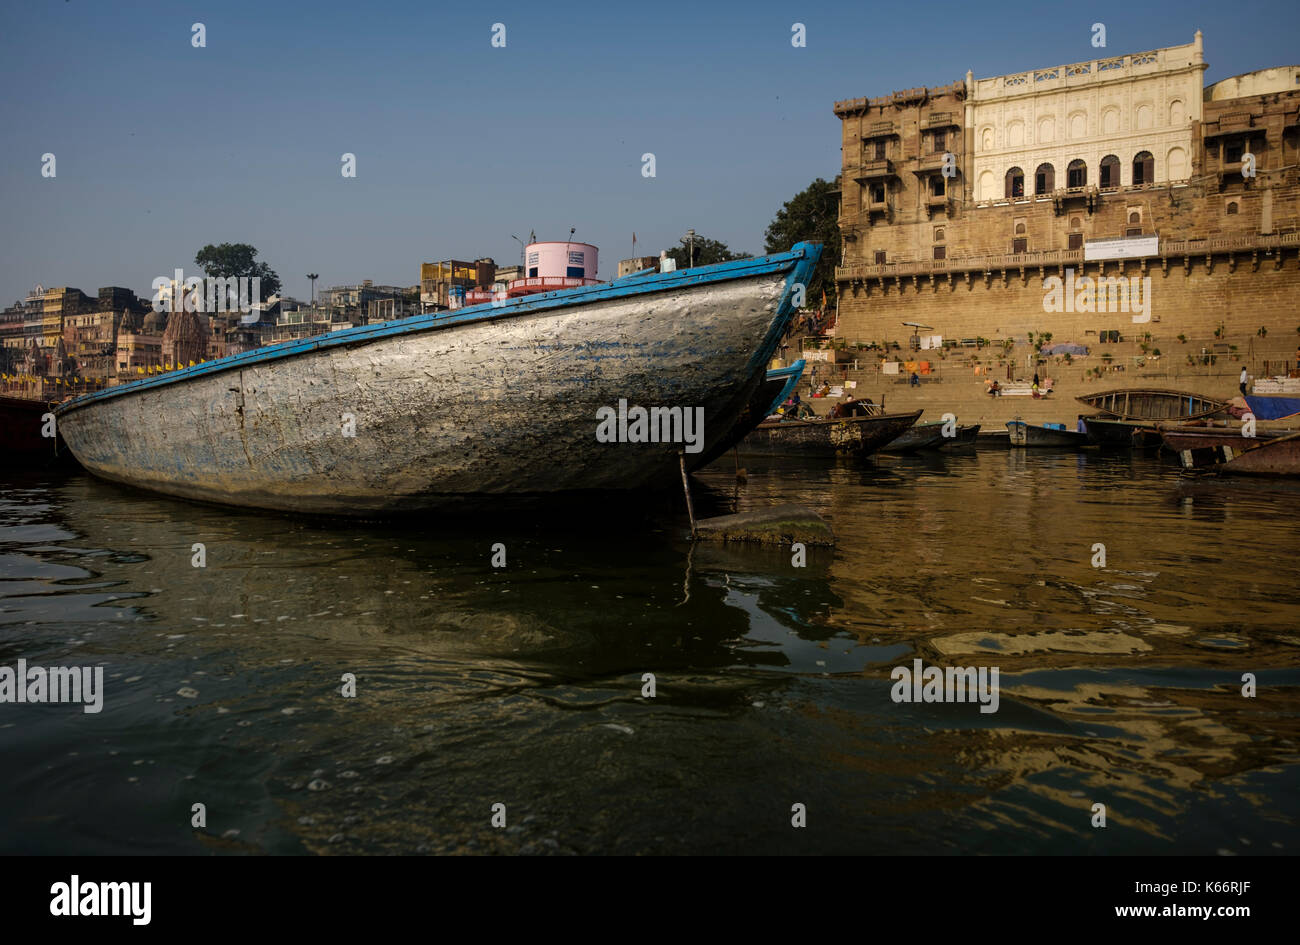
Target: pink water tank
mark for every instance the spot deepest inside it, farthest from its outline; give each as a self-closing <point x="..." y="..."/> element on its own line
<point x="566" y="260"/>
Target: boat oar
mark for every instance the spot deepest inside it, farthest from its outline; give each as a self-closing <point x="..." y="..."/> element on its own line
<point x="686" y="488"/>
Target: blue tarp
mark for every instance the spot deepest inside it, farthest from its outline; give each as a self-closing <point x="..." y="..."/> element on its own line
<point x="1063" y="349"/>
<point x="1273" y="408"/>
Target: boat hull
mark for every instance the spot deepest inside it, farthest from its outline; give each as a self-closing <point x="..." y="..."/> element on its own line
<point x="965" y="439"/>
<point x="918" y="437"/>
<point x="771" y="393"/>
<point x="408" y="415"/>
<point x="1179" y="438"/>
<point x="850" y="436"/>
<point x="22" y="439"/>
<point x="930" y="436"/>
<point x="1241" y="456"/>
<point x="1027" y="435"/>
<point x="1110" y="433"/>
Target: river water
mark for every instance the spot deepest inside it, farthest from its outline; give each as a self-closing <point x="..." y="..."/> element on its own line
<point x="522" y="685"/>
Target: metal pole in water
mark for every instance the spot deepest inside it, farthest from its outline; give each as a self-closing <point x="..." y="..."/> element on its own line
<point x="686" y="488"/>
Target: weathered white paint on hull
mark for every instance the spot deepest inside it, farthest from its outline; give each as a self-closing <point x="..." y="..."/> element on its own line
<point x="502" y="406"/>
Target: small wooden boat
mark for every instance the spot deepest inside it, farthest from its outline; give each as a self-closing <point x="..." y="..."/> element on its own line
<point x="1277" y="455"/>
<point x="846" y="436"/>
<point x="930" y="436"/>
<point x="1031" y="435"/>
<point x="917" y="437"/>
<point x="1110" y="433"/>
<point x="487" y="401"/>
<point x="966" y="437"/>
<point x="1152" y="404"/>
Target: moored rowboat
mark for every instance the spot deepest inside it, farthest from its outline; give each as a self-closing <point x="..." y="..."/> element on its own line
<point x="491" y="400"/>
<point x="1152" y="404"/>
<point x="1029" y="435"/>
<point x="1109" y="432"/>
<point x="845" y="436"/>
<point x="933" y="435"/>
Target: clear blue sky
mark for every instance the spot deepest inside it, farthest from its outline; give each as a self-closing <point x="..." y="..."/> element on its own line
<point x="162" y="147"/>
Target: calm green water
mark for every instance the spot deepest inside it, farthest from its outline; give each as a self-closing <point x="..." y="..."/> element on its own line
<point x="522" y="685"/>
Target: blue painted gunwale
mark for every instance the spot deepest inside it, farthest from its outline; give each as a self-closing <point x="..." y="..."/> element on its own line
<point x="792" y="375"/>
<point x="799" y="260"/>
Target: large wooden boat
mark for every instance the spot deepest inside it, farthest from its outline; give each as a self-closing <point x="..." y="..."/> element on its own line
<point x="847" y="436"/>
<point x="1151" y="404"/>
<point x="1031" y="435"/>
<point x="492" y="400"/>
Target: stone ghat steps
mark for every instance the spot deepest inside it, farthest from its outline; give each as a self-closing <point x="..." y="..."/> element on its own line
<point x="965" y="395"/>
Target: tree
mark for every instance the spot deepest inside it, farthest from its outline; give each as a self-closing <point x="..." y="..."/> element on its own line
<point x="811" y="215"/>
<point x="235" y="260"/>
<point x="706" y="253"/>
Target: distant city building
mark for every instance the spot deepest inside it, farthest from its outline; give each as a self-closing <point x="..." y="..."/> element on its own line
<point x="444" y="284"/>
<point x="139" y="344"/>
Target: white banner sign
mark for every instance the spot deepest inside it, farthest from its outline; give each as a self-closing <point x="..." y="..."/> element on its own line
<point x="1124" y="248"/>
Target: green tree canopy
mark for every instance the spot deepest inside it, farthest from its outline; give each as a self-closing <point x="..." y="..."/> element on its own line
<point x="811" y="215"/>
<point x="233" y="260"/>
<point x="707" y="252"/>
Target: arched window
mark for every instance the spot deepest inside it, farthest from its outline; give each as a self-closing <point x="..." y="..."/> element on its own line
<point x="1144" y="168"/>
<point x="1109" y="172"/>
<point x="1076" y="175"/>
<point x="1044" y="179"/>
<point x="1232" y="207"/>
<point x="1015" y="182"/>
<point x="1135" y="217"/>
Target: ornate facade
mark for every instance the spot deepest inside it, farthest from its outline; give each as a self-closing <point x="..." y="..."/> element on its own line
<point x="959" y="201"/>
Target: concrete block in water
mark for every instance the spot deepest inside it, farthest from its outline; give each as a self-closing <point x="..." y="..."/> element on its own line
<point x="777" y="525"/>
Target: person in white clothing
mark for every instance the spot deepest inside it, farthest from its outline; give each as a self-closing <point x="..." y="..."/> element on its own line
<point x="1243" y="382"/>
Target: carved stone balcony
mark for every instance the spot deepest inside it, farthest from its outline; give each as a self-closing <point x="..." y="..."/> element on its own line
<point x="873" y="170"/>
<point x="929" y="163"/>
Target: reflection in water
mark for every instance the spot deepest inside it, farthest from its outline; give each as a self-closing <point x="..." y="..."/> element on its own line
<point x="522" y="685"/>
